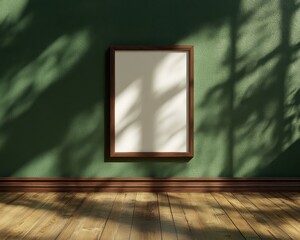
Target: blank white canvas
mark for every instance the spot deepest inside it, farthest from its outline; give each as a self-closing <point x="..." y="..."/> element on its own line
<point x="151" y="96"/>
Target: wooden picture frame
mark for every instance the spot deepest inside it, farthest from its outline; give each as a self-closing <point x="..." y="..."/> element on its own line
<point x="151" y="101"/>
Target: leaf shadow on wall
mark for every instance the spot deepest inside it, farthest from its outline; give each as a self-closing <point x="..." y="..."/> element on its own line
<point x="53" y="74"/>
<point x="257" y="116"/>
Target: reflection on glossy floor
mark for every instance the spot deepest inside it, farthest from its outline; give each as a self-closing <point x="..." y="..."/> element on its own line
<point x="150" y="215"/>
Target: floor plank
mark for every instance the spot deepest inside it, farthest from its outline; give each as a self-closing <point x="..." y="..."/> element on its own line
<point x="37" y="210"/>
<point x="194" y="219"/>
<point x="246" y="230"/>
<point x="118" y="225"/>
<point x="94" y="223"/>
<point x="92" y="216"/>
<point x="254" y="219"/>
<point x="17" y="208"/>
<point x="139" y="215"/>
<point x="59" y="213"/>
<point x="294" y="197"/>
<point x="285" y="204"/>
<point x="254" y="206"/>
<point x="6" y="197"/>
<point x="168" y="229"/>
<point x="126" y="217"/>
<point x="75" y="221"/>
<point x="222" y="223"/>
<point x="279" y="217"/>
<point x="146" y="223"/>
<point x="181" y="223"/>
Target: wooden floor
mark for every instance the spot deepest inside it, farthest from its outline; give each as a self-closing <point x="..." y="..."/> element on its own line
<point x="149" y="216"/>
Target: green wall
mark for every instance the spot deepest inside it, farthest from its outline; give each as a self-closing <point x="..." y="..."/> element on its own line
<point x="54" y="79"/>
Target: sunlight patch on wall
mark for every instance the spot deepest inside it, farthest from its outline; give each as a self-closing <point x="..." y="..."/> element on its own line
<point x="82" y="143"/>
<point x="259" y="34"/>
<point x="20" y="92"/>
<point x="11" y="10"/>
<point x="293" y="91"/>
<point x="295" y="27"/>
<point x="293" y="99"/>
<point x="266" y="85"/>
<point x="46" y="164"/>
<point x="14" y="30"/>
<point x="212" y="74"/>
<point x="74" y="154"/>
<point x="83" y="125"/>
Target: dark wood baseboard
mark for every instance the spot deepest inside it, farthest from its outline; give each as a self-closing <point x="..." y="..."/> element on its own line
<point x="148" y="184"/>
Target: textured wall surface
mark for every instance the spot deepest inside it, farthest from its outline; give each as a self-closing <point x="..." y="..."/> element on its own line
<point x="54" y="76"/>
